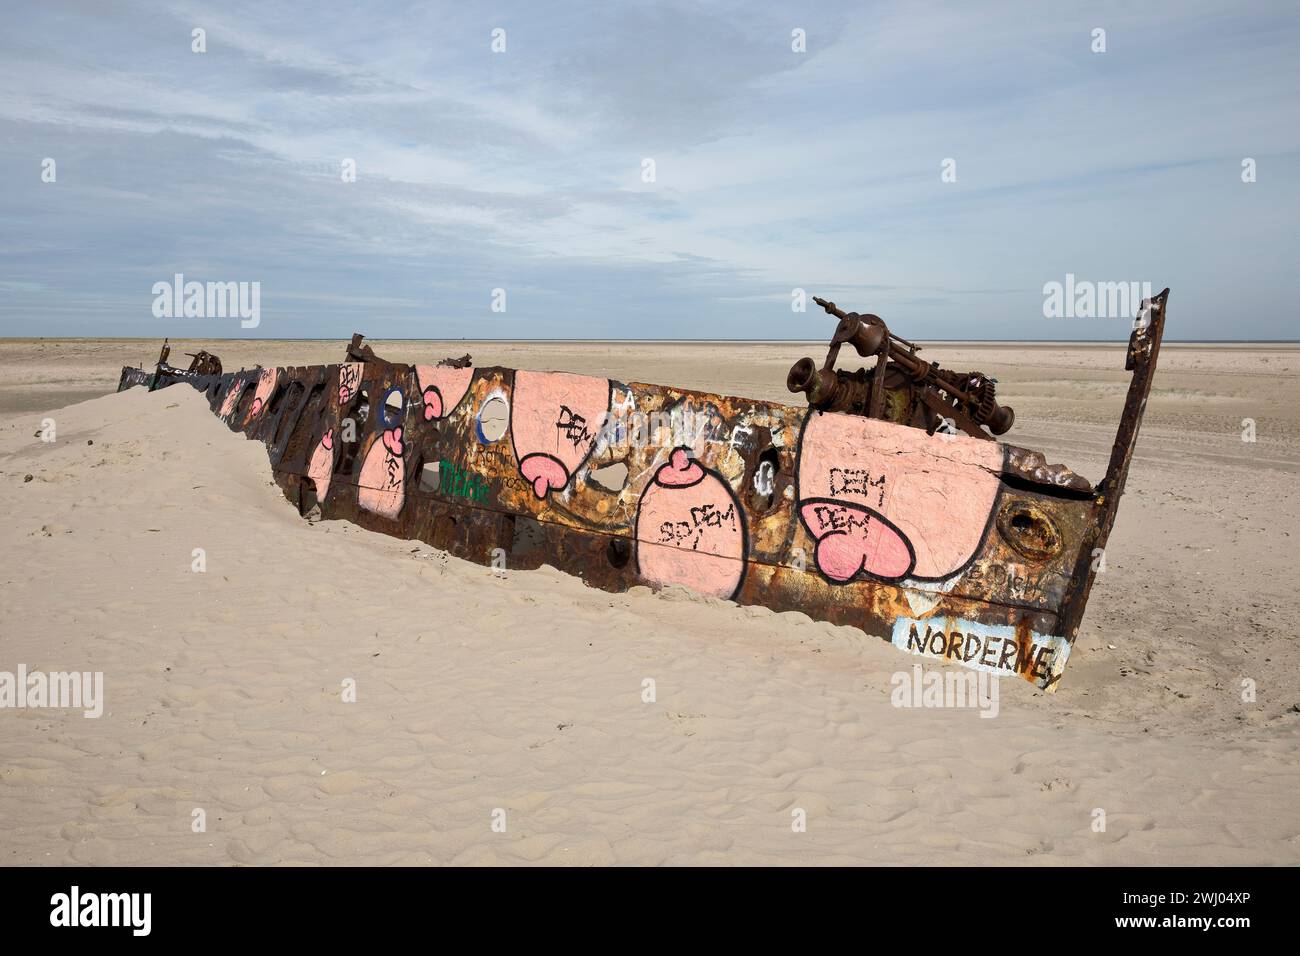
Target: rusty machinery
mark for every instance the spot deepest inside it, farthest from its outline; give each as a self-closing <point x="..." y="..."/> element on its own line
<point x="202" y="362"/>
<point x="901" y="387"/>
<point x="1029" y="581"/>
<point x="359" y="350"/>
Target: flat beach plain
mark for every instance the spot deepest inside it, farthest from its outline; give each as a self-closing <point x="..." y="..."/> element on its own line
<point x="476" y="694"/>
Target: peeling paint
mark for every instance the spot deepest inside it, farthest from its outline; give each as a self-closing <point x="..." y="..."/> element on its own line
<point x="855" y="520"/>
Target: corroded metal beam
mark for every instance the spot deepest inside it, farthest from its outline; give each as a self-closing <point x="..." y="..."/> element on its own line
<point x="949" y="546"/>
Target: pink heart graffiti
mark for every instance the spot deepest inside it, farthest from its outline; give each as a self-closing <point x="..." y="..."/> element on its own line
<point x="851" y="538"/>
<point x="544" y="473"/>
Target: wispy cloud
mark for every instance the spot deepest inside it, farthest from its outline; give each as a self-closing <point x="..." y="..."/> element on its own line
<point x="523" y="170"/>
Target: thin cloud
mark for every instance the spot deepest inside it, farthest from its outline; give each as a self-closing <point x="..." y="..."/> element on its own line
<point x="524" y="170"/>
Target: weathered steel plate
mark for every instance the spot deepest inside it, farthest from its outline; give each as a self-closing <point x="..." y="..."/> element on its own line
<point x="975" y="552"/>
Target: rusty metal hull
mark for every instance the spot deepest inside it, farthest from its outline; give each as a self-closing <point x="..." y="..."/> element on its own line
<point x="975" y="552"/>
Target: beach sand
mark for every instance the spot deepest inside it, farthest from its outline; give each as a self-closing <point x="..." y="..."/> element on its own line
<point x="481" y="698"/>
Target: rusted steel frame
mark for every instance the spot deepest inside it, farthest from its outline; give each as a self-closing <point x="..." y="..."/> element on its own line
<point x="877" y="407"/>
<point x="977" y="594"/>
<point x="966" y="400"/>
<point x="942" y="409"/>
<point x="585" y="552"/>
<point x="1141" y="357"/>
<point x="873" y="606"/>
<point x="1008" y="600"/>
<point x="1028" y="465"/>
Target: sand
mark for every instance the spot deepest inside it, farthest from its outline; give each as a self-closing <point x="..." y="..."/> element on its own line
<point x="225" y="690"/>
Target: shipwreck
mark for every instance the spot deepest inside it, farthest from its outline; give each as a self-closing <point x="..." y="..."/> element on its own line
<point x="887" y="502"/>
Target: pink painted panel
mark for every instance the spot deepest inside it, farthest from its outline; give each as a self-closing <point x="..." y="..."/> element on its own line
<point x="265" y="386"/>
<point x="689" y="529"/>
<point x="231" y="399"/>
<point x="321" y="467"/>
<point x="349" y="381"/>
<point x="442" y="388"/>
<point x="554" y="418"/>
<point x="893" y="502"/>
<point x="381" y="487"/>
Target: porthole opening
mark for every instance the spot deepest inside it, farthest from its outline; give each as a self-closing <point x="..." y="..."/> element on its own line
<point x="1029" y="530"/>
<point x="430" y="477"/>
<point x="493" y="419"/>
<point x="393" y="409"/>
<point x="763" y="494"/>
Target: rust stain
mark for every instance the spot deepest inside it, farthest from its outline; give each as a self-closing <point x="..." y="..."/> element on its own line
<point x="491" y="466"/>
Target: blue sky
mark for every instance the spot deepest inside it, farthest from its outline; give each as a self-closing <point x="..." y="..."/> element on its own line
<point x="522" y="170"/>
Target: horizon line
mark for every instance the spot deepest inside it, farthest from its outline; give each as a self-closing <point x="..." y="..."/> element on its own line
<point x="700" y="341"/>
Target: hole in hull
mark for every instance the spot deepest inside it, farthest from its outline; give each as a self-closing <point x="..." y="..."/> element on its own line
<point x="618" y="552"/>
<point x="493" y="419"/>
<point x="430" y="478"/>
<point x="609" y="477"/>
<point x="1029" y="530"/>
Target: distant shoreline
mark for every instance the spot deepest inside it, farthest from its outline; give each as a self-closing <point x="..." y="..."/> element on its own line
<point x="1030" y="343"/>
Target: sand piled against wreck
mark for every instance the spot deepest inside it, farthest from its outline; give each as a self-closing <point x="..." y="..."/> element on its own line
<point x="227" y="691"/>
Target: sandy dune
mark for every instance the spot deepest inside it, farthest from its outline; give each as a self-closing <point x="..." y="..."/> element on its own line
<point x="473" y="692"/>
